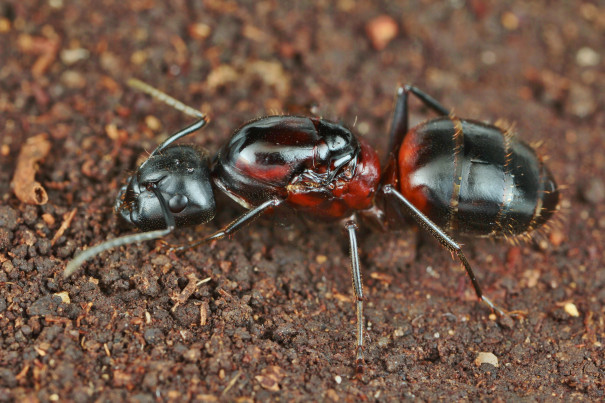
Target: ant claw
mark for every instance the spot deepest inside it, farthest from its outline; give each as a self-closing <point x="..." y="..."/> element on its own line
<point x="495" y="308"/>
<point x="518" y="314"/>
<point x="359" y="363"/>
<point x="359" y="368"/>
<point x="505" y="317"/>
<point x="170" y="248"/>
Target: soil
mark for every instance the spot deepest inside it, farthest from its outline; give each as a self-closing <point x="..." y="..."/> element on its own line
<point x="275" y="319"/>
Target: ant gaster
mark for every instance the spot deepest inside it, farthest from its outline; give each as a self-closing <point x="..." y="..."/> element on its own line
<point x="451" y="175"/>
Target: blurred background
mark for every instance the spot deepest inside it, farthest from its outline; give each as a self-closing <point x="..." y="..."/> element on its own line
<point x="276" y="319"/>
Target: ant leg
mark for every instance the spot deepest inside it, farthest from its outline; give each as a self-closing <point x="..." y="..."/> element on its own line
<point x="89" y="253"/>
<point x="400" y="122"/>
<point x="427" y="100"/>
<point x="358" y="288"/>
<point x="444" y="240"/>
<point x="234" y="226"/>
<point x="176" y="104"/>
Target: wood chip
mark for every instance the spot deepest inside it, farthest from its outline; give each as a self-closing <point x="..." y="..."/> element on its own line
<point x="67" y="217"/>
<point x="24" y="183"/>
<point x="270" y="378"/>
<point x="189" y="289"/>
<point x="231" y="383"/>
<point x="203" y="314"/>
<point x="46" y="48"/>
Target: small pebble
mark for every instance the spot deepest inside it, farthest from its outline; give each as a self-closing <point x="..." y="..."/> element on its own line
<point x="556" y="237"/>
<point x="48" y="219"/>
<point x="571" y="309"/>
<point x="587" y="57"/>
<point x="510" y="21"/>
<point x="5" y="25"/>
<point x="71" y="56"/>
<point x="381" y="30"/>
<point x="153" y="123"/>
<point x="199" y="31"/>
<point x="73" y="79"/>
<point x="112" y="131"/>
<point x="581" y="102"/>
<point x="139" y="57"/>
<point x="593" y="191"/>
<point x="64" y="297"/>
<point x="221" y="75"/>
<point x="486" y="358"/>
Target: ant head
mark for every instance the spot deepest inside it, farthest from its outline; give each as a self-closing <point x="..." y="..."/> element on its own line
<point x="182" y="175"/>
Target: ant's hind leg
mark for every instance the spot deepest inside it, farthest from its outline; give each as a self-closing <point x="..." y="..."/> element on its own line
<point x="448" y="243"/>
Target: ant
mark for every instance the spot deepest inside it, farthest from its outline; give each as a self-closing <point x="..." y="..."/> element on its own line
<point x="452" y="175"/>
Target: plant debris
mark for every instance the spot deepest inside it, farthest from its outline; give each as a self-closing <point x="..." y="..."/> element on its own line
<point x="24" y="184"/>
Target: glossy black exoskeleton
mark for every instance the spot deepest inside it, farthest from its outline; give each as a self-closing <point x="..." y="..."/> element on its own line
<point x="451" y="175"/>
<point x="182" y="175"/>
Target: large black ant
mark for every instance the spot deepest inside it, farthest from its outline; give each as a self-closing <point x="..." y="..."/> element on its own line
<point x="451" y="175"/>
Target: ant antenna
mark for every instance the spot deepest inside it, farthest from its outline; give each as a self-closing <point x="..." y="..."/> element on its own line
<point x="176" y="104"/>
<point x="75" y="263"/>
<point x="165" y="98"/>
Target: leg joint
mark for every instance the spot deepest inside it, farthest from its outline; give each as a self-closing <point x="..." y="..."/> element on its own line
<point x="387" y="189"/>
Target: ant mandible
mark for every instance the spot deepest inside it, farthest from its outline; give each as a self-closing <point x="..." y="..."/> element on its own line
<point x="451" y="175"/>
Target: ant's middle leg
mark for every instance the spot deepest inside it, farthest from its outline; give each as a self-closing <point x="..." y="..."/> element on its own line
<point x="351" y="227"/>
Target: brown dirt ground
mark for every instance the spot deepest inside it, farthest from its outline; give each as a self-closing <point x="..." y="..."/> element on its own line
<point x="275" y="321"/>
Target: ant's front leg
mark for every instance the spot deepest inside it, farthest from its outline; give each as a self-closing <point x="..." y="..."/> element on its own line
<point x="234" y="226"/>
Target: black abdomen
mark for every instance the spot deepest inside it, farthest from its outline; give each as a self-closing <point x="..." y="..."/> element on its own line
<point x="470" y="177"/>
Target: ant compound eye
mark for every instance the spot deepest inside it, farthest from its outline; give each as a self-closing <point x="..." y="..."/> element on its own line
<point x="178" y="203"/>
